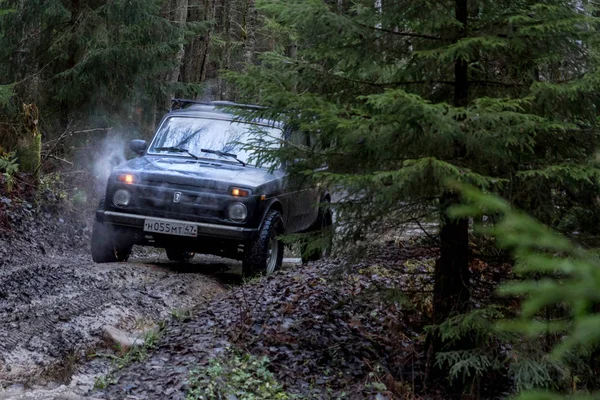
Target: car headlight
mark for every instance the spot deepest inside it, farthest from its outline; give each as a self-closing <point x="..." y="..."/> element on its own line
<point x="238" y="212"/>
<point x="121" y="198"/>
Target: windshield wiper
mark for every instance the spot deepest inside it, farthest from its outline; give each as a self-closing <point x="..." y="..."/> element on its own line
<point x="174" y="149"/>
<point x="221" y="154"/>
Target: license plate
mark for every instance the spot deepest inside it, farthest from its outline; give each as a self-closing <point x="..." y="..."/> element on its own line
<point x="170" y="228"/>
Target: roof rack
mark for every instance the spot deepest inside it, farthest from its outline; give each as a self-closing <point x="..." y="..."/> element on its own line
<point x="179" y="104"/>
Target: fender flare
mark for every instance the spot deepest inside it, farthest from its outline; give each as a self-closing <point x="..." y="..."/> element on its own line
<point x="273" y="204"/>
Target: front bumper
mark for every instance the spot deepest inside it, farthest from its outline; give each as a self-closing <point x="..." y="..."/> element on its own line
<point x="204" y="229"/>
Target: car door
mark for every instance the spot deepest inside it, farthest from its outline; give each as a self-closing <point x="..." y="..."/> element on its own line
<point x="303" y="197"/>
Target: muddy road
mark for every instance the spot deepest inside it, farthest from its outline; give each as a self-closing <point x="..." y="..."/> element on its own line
<point x="56" y="304"/>
<point x="54" y="311"/>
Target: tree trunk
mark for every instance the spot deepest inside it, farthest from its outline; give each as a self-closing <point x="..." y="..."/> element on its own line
<point x="29" y="148"/>
<point x="249" y="32"/>
<point x="451" y="293"/>
<point x="225" y="62"/>
<point x="451" y="287"/>
<point x="180" y="13"/>
<point x="198" y="52"/>
<point x="72" y="50"/>
<point x="211" y="10"/>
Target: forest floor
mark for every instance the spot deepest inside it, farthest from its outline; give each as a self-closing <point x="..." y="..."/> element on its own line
<point x="331" y="329"/>
<point x="339" y="328"/>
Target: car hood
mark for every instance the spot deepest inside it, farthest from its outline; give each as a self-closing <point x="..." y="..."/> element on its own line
<point x="197" y="173"/>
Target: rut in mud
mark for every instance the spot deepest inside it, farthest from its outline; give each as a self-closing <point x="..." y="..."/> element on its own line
<point x="57" y="308"/>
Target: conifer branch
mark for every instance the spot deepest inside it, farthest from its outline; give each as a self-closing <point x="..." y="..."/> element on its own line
<point x="495" y="83"/>
<point x="424" y="81"/>
<point x="392" y="84"/>
<point x="406" y="34"/>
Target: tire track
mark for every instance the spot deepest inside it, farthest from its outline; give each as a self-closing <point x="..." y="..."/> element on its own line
<point x="48" y="320"/>
<point x="54" y="308"/>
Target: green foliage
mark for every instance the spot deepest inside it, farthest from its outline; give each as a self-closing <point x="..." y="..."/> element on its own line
<point x="52" y="186"/>
<point x="555" y="275"/>
<point x="478" y="328"/>
<point x="92" y="61"/>
<point x="6" y="93"/>
<point x="182" y="315"/>
<point x="467" y="364"/>
<point x="377" y="98"/>
<point x="9" y="166"/>
<point x="102" y="382"/>
<point x="234" y="374"/>
<point x="532" y="373"/>
<point x="381" y="94"/>
<point x="78" y="198"/>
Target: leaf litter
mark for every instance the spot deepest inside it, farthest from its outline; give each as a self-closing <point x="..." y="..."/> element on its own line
<point x="331" y="329"/>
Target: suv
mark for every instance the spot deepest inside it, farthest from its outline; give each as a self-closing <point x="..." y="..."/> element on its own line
<point x="195" y="189"/>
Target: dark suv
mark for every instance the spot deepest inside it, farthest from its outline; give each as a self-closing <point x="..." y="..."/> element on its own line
<point x="195" y="189"/>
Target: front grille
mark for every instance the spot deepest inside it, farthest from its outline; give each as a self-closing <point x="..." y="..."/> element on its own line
<point x="159" y="201"/>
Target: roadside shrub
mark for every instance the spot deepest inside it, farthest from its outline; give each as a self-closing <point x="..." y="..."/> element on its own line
<point x="235" y="375"/>
<point x="52" y="190"/>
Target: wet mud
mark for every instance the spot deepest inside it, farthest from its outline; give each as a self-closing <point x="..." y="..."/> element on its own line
<point x="54" y="309"/>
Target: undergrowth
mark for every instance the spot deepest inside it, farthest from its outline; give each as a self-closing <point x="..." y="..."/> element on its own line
<point x="9" y="166"/>
<point x="235" y="375"/>
<point x="125" y="357"/>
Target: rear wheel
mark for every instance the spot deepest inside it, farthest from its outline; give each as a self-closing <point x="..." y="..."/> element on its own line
<point x="264" y="255"/>
<point x="179" y="255"/>
<point x="104" y="249"/>
<point x="323" y="224"/>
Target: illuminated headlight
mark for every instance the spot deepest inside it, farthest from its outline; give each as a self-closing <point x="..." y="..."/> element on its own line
<point x="238" y="212"/>
<point x="121" y="198"/>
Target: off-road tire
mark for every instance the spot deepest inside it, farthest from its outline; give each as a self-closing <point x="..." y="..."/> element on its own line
<point x="257" y="251"/>
<point x="324" y="220"/>
<point x="104" y="249"/>
<point x="179" y="255"/>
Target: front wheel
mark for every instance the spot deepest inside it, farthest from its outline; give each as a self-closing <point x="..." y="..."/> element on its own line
<point x="104" y="249"/>
<point x="264" y="254"/>
<point x="179" y="255"/>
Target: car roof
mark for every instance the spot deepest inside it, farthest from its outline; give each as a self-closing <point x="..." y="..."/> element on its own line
<point x="216" y="110"/>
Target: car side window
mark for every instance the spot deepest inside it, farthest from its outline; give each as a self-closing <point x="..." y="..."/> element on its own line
<point x="298" y="138"/>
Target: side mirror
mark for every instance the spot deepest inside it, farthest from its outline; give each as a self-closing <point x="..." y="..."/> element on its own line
<point x="138" y="146"/>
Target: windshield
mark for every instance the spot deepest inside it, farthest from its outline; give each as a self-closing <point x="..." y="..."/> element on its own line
<point x="196" y="134"/>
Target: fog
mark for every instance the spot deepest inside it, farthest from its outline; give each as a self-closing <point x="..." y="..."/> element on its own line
<point x="111" y="152"/>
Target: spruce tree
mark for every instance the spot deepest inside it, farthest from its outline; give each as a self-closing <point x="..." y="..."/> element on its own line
<point x="402" y="98"/>
<point x="557" y="275"/>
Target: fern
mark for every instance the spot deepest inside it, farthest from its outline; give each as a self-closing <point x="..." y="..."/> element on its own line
<point x="9" y="167"/>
